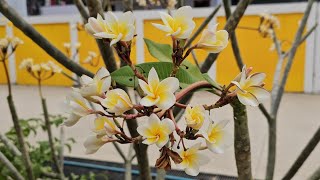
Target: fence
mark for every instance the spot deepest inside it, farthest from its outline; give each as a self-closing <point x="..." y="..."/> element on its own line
<point x="304" y="77"/>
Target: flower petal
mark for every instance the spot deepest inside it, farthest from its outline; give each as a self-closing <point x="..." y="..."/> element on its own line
<point x="256" y="79"/>
<point x="170" y="84"/>
<point x="260" y="93"/>
<point x="93" y="144"/>
<point x="166" y="100"/>
<point x="247" y="99"/>
<point x="192" y="170"/>
<point x="162" y="27"/>
<point x="167" y="125"/>
<point x="72" y="120"/>
<point x="153" y="79"/>
<point x="149" y="101"/>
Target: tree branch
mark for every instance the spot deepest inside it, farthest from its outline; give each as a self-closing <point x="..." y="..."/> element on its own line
<point x="241" y="141"/>
<point x="315" y="175"/>
<point x="10" y="145"/>
<point x="291" y="55"/>
<point x="10" y="167"/>
<point x="41" y="41"/>
<point x="230" y="27"/>
<point x="82" y="10"/>
<point x="303" y="155"/>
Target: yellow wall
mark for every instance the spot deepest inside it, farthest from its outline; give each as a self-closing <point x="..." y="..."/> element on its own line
<point x="256" y="52"/>
<point x="57" y="34"/>
<point x="2" y="73"/>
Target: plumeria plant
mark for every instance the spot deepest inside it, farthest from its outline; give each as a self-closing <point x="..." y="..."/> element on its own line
<point x="92" y="58"/>
<point x="161" y="86"/>
<point x="42" y="72"/>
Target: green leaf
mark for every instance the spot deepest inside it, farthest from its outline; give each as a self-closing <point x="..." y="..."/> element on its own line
<point x="211" y="81"/>
<point x="162" y="52"/>
<point x="186" y="75"/>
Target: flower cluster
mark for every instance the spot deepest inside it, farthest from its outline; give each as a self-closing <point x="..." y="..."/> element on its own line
<point x="7" y="42"/>
<point x="103" y="103"/>
<point x="268" y="23"/>
<point x="40" y="71"/>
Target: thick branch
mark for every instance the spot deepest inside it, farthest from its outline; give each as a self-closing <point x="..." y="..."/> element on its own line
<point x="291" y="55"/>
<point x="82" y="10"/>
<point x="10" y="167"/>
<point x="41" y="41"/>
<point x="241" y="141"/>
<point x="303" y="155"/>
<point x="230" y="27"/>
<point x="315" y="175"/>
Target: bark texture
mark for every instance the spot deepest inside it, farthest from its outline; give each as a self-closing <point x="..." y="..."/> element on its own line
<point x="241" y="141"/>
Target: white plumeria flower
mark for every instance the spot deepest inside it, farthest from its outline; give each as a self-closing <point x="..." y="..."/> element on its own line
<point x="180" y="25"/>
<point x="159" y="93"/>
<point x="15" y="41"/>
<point x="26" y="63"/>
<point x="78" y="108"/>
<point x="217" y="138"/>
<point x="94" y="142"/>
<point x="156" y="131"/>
<point x="118" y="28"/>
<point x="117" y="101"/>
<point x="54" y="67"/>
<point x="249" y="90"/>
<point x="96" y="25"/>
<point x="192" y="159"/>
<point x="213" y="41"/>
<point x="104" y="125"/>
<point x="97" y="85"/>
<point x="195" y="116"/>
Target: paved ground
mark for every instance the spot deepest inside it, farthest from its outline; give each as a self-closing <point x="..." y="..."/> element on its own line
<point x="298" y="120"/>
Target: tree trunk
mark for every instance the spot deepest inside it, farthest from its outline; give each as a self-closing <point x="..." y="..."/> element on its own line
<point x="241" y="141"/>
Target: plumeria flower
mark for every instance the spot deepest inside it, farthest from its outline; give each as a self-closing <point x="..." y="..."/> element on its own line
<point x="117" y="101"/>
<point x="249" y="89"/>
<point x="159" y="93"/>
<point x="217" y="138"/>
<point x="26" y="63"/>
<point x="118" y="28"/>
<point x="97" y="85"/>
<point x="15" y="41"/>
<point x="54" y="67"/>
<point x="96" y="25"/>
<point x="192" y="159"/>
<point x="156" y="131"/>
<point x="78" y="108"/>
<point x="104" y="125"/>
<point x="212" y="40"/>
<point x="195" y="116"/>
<point x="94" y="142"/>
<point x="180" y="25"/>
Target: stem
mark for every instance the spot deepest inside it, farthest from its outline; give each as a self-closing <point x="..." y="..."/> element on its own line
<point x="21" y="142"/>
<point x="61" y="151"/>
<point x="272" y="142"/>
<point x="241" y="141"/>
<point x="10" y="145"/>
<point x="192" y="87"/>
<point x="7" y="76"/>
<point x="5" y="161"/>
<point x="313" y="142"/>
<point x="50" y="137"/>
